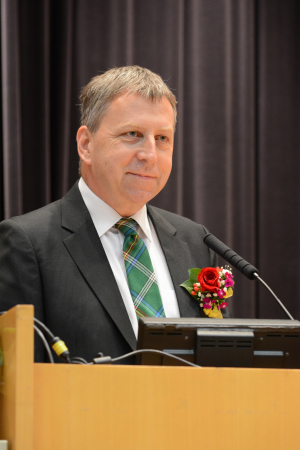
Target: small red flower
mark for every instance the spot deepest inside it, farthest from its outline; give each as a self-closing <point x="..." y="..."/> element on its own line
<point x="223" y="305"/>
<point x="221" y="293"/>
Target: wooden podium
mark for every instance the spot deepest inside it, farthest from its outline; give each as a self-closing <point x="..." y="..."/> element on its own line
<point x="70" y="407"/>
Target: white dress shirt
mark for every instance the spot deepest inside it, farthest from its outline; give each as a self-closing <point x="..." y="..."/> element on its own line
<point x="104" y="218"/>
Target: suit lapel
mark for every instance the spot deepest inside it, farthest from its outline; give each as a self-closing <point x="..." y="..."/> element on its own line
<point x="178" y="259"/>
<point x="85" y="248"/>
<point x="88" y="254"/>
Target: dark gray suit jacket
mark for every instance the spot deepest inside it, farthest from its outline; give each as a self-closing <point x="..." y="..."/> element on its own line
<point x="53" y="258"/>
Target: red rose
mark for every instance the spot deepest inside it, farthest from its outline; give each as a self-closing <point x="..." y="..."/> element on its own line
<point x="209" y="279"/>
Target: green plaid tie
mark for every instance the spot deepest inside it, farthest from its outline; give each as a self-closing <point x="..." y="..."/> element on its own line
<point x="141" y="277"/>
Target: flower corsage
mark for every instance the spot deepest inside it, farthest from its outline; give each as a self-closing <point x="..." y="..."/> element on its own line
<point x="211" y="287"/>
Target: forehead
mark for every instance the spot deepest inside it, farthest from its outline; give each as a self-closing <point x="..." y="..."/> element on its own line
<point x="137" y="108"/>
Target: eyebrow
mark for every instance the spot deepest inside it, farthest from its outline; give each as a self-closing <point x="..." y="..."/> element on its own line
<point x="136" y="125"/>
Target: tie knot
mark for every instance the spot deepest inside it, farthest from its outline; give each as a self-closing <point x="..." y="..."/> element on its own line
<point x="127" y="226"/>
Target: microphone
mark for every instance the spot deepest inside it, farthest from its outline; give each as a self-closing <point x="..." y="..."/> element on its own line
<point x="239" y="263"/>
<point x="230" y="256"/>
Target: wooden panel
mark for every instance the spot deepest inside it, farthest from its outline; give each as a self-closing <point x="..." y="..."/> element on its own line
<point x="114" y="407"/>
<point x="16" y="388"/>
<point x="129" y="408"/>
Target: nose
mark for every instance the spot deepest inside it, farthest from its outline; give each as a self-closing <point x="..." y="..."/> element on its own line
<point x="148" y="151"/>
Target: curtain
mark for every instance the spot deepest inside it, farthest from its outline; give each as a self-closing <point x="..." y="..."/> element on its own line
<point x="234" y="67"/>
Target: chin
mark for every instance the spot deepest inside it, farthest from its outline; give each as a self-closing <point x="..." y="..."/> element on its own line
<point x="140" y="198"/>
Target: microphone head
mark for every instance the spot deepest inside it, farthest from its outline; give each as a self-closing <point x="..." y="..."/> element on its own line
<point x="230" y="256"/>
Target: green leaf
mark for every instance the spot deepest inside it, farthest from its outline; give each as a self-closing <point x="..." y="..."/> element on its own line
<point x="187" y="285"/>
<point x="193" y="274"/>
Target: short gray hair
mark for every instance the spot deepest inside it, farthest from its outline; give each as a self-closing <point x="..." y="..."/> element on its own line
<point x="97" y="95"/>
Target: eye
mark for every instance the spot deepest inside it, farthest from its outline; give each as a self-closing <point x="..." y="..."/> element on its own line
<point x="163" y="138"/>
<point x="132" y="133"/>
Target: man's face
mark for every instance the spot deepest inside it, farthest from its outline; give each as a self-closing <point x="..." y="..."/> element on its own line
<point x="129" y="157"/>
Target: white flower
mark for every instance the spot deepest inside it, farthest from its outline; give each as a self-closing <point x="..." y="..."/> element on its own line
<point x="208" y="295"/>
<point x="215" y="295"/>
<point x="224" y="289"/>
<point x="199" y="294"/>
<point x="201" y="304"/>
<point x="227" y="271"/>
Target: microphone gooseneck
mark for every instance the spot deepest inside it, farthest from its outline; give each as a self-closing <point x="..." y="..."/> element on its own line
<point x="276" y="298"/>
<point x="239" y="263"/>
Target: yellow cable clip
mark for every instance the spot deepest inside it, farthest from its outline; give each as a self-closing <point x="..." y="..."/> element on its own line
<point x="60" y="347"/>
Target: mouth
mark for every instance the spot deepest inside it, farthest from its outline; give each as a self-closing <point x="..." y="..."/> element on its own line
<point x="141" y="176"/>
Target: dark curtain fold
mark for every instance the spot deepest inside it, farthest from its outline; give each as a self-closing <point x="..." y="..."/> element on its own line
<point x="11" y="109"/>
<point x="234" y="67"/>
<point x="278" y="120"/>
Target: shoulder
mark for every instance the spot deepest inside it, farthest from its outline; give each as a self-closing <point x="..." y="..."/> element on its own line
<point x="49" y="218"/>
<point x="180" y="223"/>
<point x="187" y="231"/>
<point x="35" y="222"/>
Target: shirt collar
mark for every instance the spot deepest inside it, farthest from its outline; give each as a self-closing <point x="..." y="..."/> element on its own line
<point x="105" y="217"/>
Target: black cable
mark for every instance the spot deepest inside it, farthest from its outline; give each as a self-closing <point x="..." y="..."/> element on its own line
<point x="56" y="343"/>
<point x="45" y="329"/>
<point x="101" y="359"/>
<point x="106" y="360"/>
<point x="78" y="360"/>
<point x="41" y="335"/>
<point x="48" y="349"/>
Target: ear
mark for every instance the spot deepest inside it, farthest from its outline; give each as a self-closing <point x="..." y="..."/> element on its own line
<point x="84" y="140"/>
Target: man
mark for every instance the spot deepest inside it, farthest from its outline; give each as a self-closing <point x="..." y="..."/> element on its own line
<point x="67" y="258"/>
